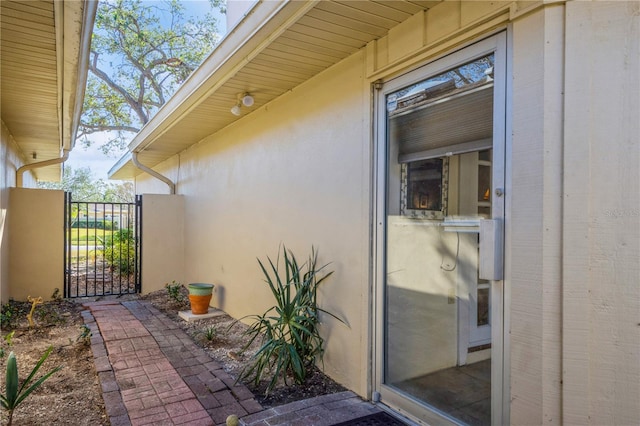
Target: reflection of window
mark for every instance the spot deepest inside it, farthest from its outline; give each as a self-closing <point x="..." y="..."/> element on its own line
<point x="423" y="187"/>
<point x="483" y="304"/>
<point x="484" y="183"/>
<point x="449" y="113"/>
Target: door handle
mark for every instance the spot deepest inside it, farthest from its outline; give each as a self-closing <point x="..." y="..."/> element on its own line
<point x="491" y="264"/>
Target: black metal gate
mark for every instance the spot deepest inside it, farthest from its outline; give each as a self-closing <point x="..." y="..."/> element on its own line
<point x="102" y="248"/>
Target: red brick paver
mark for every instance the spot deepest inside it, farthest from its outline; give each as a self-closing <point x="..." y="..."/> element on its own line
<point x="151" y="373"/>
<point x="150" y="389"/>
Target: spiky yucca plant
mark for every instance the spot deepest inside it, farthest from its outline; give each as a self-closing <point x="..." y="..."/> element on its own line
<point x="15" y="394"/>
<point x="288" y="331"/>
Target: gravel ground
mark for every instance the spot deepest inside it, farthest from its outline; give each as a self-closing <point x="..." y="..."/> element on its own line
<point x="72" y="396"/>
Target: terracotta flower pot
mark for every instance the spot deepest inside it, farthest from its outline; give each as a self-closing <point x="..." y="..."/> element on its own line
<point x="200" y="297"/>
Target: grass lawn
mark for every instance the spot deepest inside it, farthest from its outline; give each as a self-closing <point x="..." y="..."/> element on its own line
<point x="91" y="236"/>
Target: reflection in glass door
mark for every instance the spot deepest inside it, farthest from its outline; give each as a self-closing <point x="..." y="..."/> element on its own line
<point x="440" y="180"/>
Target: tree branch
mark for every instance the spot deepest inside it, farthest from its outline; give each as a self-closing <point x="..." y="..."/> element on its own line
<point x="128" y="98"/>
<point x="464" y="79"/>
<point x="87" y="129"/>
<point x="154" y="83"/>
<point x="149" y="61"/>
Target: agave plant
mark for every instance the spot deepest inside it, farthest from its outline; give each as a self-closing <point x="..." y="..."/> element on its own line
<point x="16" y="394"/>
<point x="290" y="340"/>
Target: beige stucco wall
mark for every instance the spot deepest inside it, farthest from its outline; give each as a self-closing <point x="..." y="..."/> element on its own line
<point x="36" y="226"/>
<point x="266" y="181"/>
<point x="10" y="161"/>
<point x="298" y="170"/>
<point x="162" y="241"/>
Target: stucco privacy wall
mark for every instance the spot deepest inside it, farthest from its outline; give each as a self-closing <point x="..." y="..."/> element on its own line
<point x="300" y="181"/>
<point x="162" y="240"/>
<point x="36" y="226"/>
<point x="10" y="160"/>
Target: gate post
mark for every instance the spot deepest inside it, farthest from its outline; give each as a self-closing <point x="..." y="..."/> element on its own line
<point x="67" y="243"/>
<point x="138" y="240"/>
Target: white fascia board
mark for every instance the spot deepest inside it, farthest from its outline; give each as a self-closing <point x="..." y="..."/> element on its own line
<point x="80" y="68"/>
<point x="73" y="28"/>
<point x="119" y="164"/>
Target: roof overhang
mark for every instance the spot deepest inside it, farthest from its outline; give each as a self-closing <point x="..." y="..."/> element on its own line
<point x="45" y="49"/>
<point x="274" y="48"/>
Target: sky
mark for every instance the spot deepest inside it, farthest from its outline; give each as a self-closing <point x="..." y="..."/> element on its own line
<point x="92" y="157"/>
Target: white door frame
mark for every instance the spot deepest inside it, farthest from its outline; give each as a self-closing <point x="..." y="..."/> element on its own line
<point x="413" y="409"/>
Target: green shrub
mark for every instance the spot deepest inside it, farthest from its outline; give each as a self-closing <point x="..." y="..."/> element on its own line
<point x="288" y="331"/>
<point x="120" y="251"/>
<point x="86" y="223"/>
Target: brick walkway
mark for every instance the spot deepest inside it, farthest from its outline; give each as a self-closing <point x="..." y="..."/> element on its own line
<point x="152" y="373"/>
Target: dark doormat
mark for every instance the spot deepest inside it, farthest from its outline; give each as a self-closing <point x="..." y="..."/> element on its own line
<point x="377" y="419"/>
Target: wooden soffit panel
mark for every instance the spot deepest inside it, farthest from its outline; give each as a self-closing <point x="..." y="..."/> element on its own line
<point x="276" y="47"/>
<point x="41" y="84"/>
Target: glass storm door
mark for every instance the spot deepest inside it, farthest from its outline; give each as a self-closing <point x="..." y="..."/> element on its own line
<point x="440" y="210"/>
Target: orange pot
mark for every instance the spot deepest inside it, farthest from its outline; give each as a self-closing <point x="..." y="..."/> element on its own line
<point x="200" y="296"/>
<point x="199" y="304"/>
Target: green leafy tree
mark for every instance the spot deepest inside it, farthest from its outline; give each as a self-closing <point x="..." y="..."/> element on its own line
<point x="140" y="53"/>
<point x="119" y="193"/>
<point x="83" y="187"/>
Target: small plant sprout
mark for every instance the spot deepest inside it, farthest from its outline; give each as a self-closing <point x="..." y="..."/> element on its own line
<point x="34" y="302"/>
<point x="15" y="394"/>
<point x="7" y="341"/>
<point x="6" y="315"/>
<point x="8" y="338"/>
<point x="85" y="334"/>
<point x="173" y="289"/>
<point x="210" y="333"/>
<point x="56" y="294"/>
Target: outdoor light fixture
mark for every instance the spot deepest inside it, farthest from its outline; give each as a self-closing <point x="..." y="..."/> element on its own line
<point x="247" y="100"/>
<point x="243" y="99"/>
<point x="235" y="110"/>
